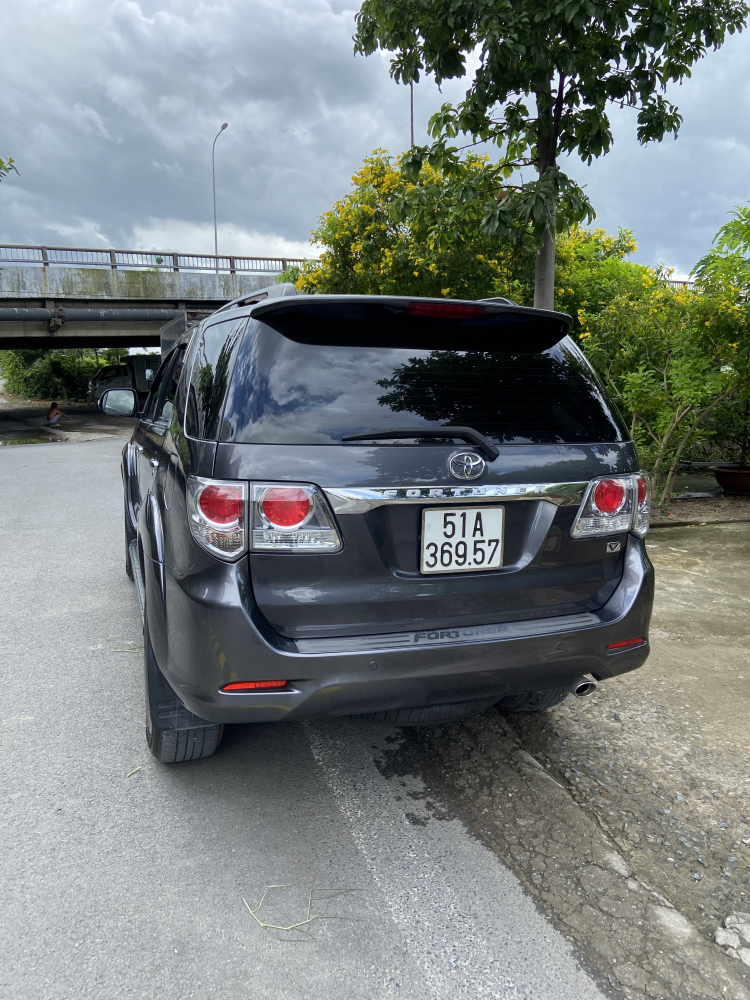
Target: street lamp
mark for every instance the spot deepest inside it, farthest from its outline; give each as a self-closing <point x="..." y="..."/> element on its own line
<point x="213" y="174"/>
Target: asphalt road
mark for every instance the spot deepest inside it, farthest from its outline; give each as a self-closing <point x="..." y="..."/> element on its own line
<point x="121" y="877"/>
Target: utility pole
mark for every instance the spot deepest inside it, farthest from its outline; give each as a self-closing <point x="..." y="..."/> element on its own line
<point x="213" y="174"/>
<point x="411" y="87"/>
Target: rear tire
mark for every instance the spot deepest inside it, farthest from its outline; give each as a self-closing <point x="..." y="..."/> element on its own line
<point x="174" y="746"/>
<point x="533" y="701"/>
<point x="177" y="746"/>
<point x="430" y="715"/>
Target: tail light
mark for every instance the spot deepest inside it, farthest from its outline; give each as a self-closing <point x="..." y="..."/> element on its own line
<point x="286" y="506"/>
<point x="613" y="505"/>
<point x="610" y="496"/>
<point x="291" y="517"/>
<point x="607" y="508"/>
<point x="216" y="515"/>
<point x="643" y="511"/>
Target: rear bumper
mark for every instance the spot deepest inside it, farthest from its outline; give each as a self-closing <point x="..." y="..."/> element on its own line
<point x="215" y="635"/>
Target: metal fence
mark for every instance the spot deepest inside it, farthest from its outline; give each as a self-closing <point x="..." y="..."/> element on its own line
<point x="141" y="260"/>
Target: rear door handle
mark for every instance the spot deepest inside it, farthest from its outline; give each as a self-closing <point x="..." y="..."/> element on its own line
<point x="139" y="448"/>
<point x="154" y="463"/>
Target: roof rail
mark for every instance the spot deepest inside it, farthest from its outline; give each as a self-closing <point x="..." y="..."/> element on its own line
<point x="269" y="292"/>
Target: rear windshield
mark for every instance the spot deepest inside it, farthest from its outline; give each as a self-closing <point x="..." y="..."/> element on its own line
<point x="284" y="392"/>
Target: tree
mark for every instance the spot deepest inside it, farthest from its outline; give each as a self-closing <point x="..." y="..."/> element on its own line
<point x="573" y="58"/>
<point x="6" y="166"/>
<point x="369" y="248"/>
<point x="45" y="374"/>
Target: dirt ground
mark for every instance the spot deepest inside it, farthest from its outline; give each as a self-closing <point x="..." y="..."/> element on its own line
<point x="699" y="499"/>
<point x="719" y="509"/>
<point x="627" y="814"/>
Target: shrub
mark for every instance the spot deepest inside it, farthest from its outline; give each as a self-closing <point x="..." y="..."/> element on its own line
<point x="55" y="374"/>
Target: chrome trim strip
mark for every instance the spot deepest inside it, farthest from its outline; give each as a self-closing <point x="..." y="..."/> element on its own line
<point x="449" y="636"/>
<point x="353" y="501"/>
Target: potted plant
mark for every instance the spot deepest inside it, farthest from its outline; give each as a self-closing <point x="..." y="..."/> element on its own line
<point x="732" y="428"/>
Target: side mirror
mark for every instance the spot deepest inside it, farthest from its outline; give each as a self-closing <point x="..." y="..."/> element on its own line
<point x="149" y="374"/>
<point x="119" y="403"/>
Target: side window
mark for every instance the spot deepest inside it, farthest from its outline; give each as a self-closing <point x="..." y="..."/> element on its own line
<point x="165" y="403"/>
<point x="154" y="393"/>
<point x="213" y="359"/>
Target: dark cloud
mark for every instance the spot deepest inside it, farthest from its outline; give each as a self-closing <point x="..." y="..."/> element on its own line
<point x="110" y="107"/>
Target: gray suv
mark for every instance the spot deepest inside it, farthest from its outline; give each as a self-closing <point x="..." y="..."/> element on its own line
<point x="400" y="509"/>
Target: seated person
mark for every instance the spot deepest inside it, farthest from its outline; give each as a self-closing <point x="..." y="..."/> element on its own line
<point x="54" y="415"/>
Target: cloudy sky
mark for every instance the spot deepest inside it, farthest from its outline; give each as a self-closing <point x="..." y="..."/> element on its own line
<point x="109" y="108"/>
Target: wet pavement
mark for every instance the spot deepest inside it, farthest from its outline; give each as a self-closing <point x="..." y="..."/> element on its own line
<point x="25" y="422"/>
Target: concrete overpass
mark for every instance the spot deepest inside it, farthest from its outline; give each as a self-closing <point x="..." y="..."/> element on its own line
<point x="73" y="297"/>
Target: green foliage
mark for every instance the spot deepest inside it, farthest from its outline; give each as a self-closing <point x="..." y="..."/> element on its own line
<point x="61" y="374"/>
<point x="548" y="72"/>
<point x="592" y="268"/>
<point x="291" y="274"/>
<point x="6" y="166"/>
<point x="369" y="249"/>
<point x="671" y="358"/>
<point x="727" y="263"/>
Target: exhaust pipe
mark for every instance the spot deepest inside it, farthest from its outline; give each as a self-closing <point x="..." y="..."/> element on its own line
<point x="583" y="686"/>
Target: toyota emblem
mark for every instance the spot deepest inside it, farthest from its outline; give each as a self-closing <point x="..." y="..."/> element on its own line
<point x="466" y="465"/>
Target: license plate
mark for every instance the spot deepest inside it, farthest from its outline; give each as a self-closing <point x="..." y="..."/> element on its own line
<point x="463" y="540"/>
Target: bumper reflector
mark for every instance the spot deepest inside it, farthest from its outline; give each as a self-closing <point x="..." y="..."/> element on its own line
<point x="254" y="685"/>
<point x="626" y="643"/>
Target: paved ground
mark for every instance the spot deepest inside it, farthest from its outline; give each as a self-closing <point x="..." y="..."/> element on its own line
<point x="627" y="814"/>
<point x="123" y="878"/>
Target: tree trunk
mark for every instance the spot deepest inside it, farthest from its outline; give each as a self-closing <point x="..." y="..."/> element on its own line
<point x="544" y="273"/>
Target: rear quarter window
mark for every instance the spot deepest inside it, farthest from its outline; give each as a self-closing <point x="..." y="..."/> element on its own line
<point x="213" y="355"/>
<point x="295" y="393"/>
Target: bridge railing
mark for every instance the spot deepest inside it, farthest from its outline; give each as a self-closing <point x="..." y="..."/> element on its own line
<point x="140" y="260"/>
<point x="152" y="260"/>
<point x="680" y="283"/>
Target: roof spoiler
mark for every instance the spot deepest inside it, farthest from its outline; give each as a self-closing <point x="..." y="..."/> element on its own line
<point x="419" y="323"/>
